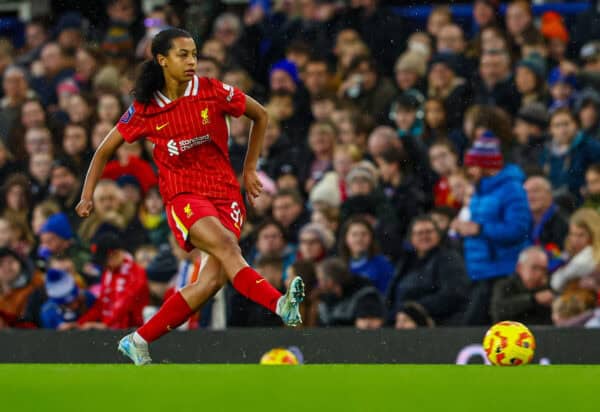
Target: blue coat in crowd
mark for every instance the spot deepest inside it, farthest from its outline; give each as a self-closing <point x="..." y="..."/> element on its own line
<point x="377" y="269"/>
<point x="568" y="170"/>
<point x="499" y="205"/>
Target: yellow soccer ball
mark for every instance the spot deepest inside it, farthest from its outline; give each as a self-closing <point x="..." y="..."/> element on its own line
<point x="279" y="356"/>
<point x="509" y="344"/>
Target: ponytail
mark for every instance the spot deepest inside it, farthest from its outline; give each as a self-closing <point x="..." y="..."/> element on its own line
<point x="151" y="77"/>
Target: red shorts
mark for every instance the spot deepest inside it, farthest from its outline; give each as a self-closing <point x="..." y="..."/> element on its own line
<point x="186" y="209"/>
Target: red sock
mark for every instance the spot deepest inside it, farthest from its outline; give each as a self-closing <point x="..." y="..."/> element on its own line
<point x="172" y="313"/>
<point x="253" y="286"/>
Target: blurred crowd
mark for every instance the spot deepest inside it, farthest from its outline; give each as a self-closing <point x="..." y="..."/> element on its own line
<point x="414" y="175"/>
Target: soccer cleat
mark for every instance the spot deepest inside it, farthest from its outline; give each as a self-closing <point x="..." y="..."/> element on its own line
<point x="137" y="352"/>
<point x="288" y="306"/>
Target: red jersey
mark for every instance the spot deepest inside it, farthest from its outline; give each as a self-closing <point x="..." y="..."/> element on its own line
<point x="190" y="137"/>
<point x="123" y="295"/>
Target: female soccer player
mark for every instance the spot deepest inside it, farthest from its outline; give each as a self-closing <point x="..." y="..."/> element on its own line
<point x="186" y="118"/>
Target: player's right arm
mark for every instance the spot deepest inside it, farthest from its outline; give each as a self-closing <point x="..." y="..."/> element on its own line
<point x="103" y="154"/>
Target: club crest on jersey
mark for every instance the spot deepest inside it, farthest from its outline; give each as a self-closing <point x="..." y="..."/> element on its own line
<point x="188" y="211"/>
<point x="204" y="115"/>
<point x="127" y="115"/>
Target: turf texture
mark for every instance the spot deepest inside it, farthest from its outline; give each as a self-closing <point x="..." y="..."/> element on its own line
<point x="201" y="388"/>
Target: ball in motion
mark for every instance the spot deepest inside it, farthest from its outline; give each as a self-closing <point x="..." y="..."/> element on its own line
<point x="509" y="344"/>
<point x="279" y="356"/>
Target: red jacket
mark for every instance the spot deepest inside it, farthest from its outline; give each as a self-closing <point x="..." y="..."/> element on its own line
<point x="123" y="295"/>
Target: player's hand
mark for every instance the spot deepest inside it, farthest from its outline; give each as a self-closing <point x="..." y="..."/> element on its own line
<point x="252" y="184"/>
<point x="84" y="207"/>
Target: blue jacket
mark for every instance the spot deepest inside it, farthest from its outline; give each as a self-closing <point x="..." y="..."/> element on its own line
<point x="568" y="170"/>
<point x="377" y="269"/>
<point x="499" y="205"/>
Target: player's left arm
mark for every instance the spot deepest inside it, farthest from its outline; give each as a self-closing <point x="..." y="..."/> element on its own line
<point x="257" y="113"/>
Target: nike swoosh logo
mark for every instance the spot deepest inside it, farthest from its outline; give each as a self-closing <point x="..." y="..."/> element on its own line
<point x="259" y="280"/>
<point x="161" y="126"/>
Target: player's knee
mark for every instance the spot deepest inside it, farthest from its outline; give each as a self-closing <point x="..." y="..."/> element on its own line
<point x="227" y="249"/>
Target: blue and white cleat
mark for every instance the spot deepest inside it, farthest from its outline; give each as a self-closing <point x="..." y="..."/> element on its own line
<point x="288" y="306"/>
<point x="137" y="352"/>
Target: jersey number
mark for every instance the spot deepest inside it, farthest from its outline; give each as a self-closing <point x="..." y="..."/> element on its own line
<point x="236" y="215"/>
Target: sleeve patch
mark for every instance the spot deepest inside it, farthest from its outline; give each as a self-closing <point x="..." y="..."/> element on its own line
<point x="127" y="115"/>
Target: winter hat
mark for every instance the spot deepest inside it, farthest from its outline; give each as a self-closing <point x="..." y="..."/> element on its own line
<point x="69" y="21"/>
<point x="325" y="236"/>
<point x="58" y="224"/>
<point x="556" y="76"/>
<point x="362" y="171"/>
<point x="61" y="287"/>
<point x="485" y="152"/>
<point x="67" y="86"/>
<point x="450" y="60"/>
<point x="590" y="51"/>
<point x="587" y="96"/>
<point x="411" y="62"/>
<point x="417" y="313"/>
<point x="286" y="169"/>
<point x="103" y="245"/>
<point x="534" y="113"/>
<point x="327" y="190"/>
<point x="288" y="67"/>
<point x="535" y="63"/>
<point x="163" y="267"/>
<point x="370" y="308"/>
<point x="553" y="27"/>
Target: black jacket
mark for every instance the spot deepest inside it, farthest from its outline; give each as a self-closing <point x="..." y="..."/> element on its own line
<point x="512" y="301"/>
<point x="504" y="94"/>
<point x="553" y="229"/>
<point x="438" y="282"/>
<point x="343" y="310"/>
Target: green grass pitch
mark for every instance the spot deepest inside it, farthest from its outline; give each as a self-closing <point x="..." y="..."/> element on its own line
<point x="327" y="388"/>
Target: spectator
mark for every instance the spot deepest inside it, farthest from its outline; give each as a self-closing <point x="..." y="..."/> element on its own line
<point x="289" y="211"/>
<point x="529" y="130"/>
<point x="525" y="296"/>
<point x="439" y="17"/>
<point x="444" y="162"/>
<point x="39" y="168"/>
<point x="568" y="155"/>
<point x="496" y="85"/>
<point x="359" y="248"/>
<point x="485" y="13"/>
<point x="65" y="186"/>
<point x="555" y="32"/>
<point x="153" y="217"/>
<point x="16" y="197"/>
<point x="519" y="20"/>
<point x="587" y="108"/>
<point x="315" y="243"/>
<point x="271" y="241"/>
<point x="66" y="302"/>
<point x="499" y="225"/>
<point x="76" y="145"/>
<point x="316" y="77"/>
<point x="57" y="238"/>
<point x="55" y="69"/>
<point x="410" y="69"/>
<point x="583" y="245"/>
<point x="430" y="275"/>
<point x="592" y="187"/>
<point x="321" y="141"/>
<point x="412" y="316"/>
<point x="342" y="296"/>
<point x="446" y="84"/>
<point x="400" y="188"/>
<point x="209" y="67"/>
<point x="436" y="126"/>
<point x="381" y="139"/>
<point x="550" y="226"/>
<point x="17" y="282"/>
<point x="16" y="91"/>
<point x="331" y="189"/>
<point x="117" y="307"/>
<point x="370" y="92"/>
<point x="530" y="79"/>
<point x="7" y="163"/>
<point x="563" y="86"/>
